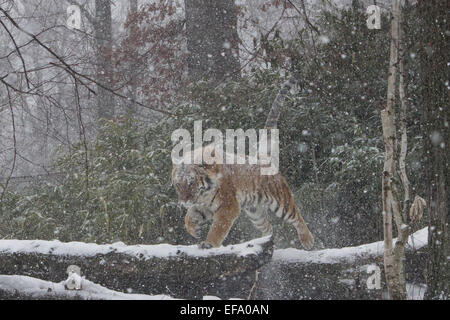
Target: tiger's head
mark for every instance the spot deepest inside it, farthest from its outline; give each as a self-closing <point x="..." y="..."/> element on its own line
<point x="195" y="182"/>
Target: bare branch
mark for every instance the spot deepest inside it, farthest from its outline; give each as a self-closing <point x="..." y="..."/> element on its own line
<point x="5" y="187"/>
<point x="18" y="52"/>
<point x="73" y="72"/>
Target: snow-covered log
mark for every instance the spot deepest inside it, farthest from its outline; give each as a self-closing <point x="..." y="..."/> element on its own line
<point x="345" y="273"/>
<point x="237" y="271"/>
<point x="180" y="271"/>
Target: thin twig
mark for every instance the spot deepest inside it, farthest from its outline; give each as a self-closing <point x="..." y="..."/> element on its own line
<point x="82" y="137"/>
<point x="5" y="187"/>
<point x="18" y="52"/>
<point x="73" y="72"/>
<point x="253" y="288"/>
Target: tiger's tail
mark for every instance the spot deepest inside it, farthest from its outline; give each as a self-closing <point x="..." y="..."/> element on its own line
<point x="274" y="112"/>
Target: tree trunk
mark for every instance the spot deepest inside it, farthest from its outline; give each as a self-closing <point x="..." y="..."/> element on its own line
<point x="133" y="6"/>
<point x="133" y="66"/>
<point x="103" y="38"/>
<point x="434" y="56"/>
<point x="181" y="271"/>
<point x="393" y="255"/>
<point x="212" y="40"/>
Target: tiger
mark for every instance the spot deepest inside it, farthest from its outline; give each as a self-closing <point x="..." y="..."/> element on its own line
<point x="217" y="193"/>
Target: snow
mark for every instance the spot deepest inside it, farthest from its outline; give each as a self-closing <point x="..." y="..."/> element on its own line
<point x="90" y="291"/>
<point x="415" y="291"/>
<point x="417" y="240"/>
<point x="211" y="298"/>
<point x="37" y="288"/>
<point x="74" y="281"/>
<point x="143" y="252"/>
<point x="253" y="247"/>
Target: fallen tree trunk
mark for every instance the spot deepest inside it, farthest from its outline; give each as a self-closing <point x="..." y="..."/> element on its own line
<point x="180" y="271"/>
<point x="243" y="271"/>
<point x="346" y="273"/>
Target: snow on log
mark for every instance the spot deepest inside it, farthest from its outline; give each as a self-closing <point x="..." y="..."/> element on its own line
<point x="181" y="271"/>
<point x="348" y="255"/>
<point x="247" y="270"/>
<point x="345" y="273"/>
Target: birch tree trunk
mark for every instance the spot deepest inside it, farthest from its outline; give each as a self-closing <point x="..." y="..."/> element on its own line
<point x="394" y="255"/>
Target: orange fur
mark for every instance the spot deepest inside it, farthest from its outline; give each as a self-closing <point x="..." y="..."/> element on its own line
<point x="219" y="192"/>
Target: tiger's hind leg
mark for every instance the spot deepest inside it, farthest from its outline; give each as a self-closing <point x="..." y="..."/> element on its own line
<point x="289" y="212"/>
<point x="306" y="238"/>
<point x="260" y="219"/>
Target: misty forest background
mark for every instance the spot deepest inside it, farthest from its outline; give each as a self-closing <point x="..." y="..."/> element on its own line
<point x="86" y="115"/>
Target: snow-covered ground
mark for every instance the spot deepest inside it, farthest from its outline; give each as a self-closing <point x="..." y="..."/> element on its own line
<point x="37" y="288"/>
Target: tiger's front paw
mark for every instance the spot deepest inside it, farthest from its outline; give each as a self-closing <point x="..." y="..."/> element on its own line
<point x="193" y="226"/>
<point x="205" y="245"/>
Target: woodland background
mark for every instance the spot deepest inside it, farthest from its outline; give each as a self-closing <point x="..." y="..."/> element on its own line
<point x="86" y="115"/>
